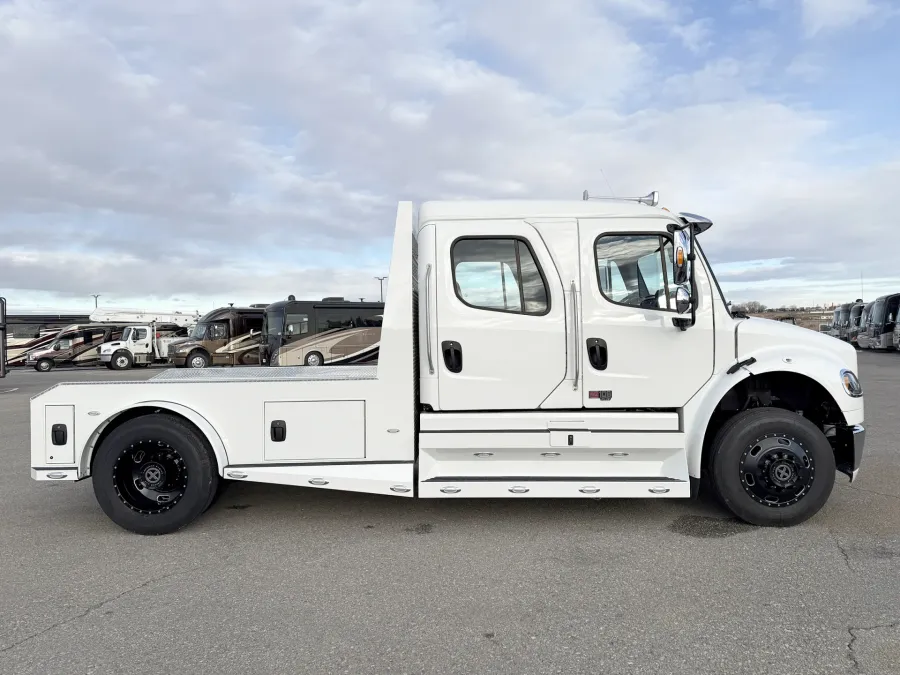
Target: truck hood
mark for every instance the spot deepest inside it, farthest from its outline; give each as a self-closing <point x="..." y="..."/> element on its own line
<point x="183" y="342"/>
<point x="755" y="334"/>
<point x="109" y="347"/>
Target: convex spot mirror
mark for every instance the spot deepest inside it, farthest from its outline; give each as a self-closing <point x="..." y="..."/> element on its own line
<point x="682" y="300"/>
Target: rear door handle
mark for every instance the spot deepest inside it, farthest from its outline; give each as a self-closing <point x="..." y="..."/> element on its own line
<point x="452" y="352"/>
<point x="598" y="354"/>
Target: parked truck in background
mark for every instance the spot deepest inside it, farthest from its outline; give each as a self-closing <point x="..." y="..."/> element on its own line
<point x="141" y="346"/>
<point x="576" y="349"/>
<point x="147" y="340"/>
<point x="332" y="331"/>
<point x="228" y="336"/>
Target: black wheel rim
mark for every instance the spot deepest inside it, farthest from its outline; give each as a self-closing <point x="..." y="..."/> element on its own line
<point x="150" y="477"/>
<point x="777" y="471"/>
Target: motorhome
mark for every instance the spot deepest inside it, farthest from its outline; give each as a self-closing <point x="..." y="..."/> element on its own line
<point x="77" y="345"/>
<point x="30" y="332"/>
<point x="510" y="365"/>
<point x="841" y="326"/>
<point x="858" y="317"/>
<point x="332" y="331"/>
<point x="228" y="336"/>
<point x="882" y="321"/>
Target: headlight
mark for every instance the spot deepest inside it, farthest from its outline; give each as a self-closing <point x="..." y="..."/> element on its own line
<point x="851" y="383"/>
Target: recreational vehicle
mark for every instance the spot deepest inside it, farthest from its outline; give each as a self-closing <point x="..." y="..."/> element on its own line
<point x="328" y="332"/>
<point x="228" y="336"/>
<point x="882" y="321"/>
<point x="506" y="368"/>
<point x="77" y="345"/>
<point x="858" y="322"/>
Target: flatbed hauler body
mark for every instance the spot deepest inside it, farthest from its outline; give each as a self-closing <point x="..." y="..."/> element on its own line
<point x="528" y="349"/>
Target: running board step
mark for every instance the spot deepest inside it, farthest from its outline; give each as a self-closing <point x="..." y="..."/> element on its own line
<point x="553" y="488"/>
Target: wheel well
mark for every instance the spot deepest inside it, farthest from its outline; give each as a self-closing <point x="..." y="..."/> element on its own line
<point x="134" y="413"/>
<point x="788" y="391"/>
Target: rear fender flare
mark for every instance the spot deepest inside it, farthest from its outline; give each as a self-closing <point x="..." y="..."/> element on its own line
<point x="207" y="429"/>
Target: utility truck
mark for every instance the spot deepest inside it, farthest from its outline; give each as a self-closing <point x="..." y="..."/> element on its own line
<point x="144" y="343"/>
<point x="141" y="345"/>
<point x="578" y="349"/>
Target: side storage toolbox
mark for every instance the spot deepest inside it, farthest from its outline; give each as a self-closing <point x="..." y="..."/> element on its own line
<point x="297" y="431"/>
<point x="59" y="433"/>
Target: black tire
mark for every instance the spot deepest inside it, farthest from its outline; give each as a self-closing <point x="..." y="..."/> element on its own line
<point x="121" y="360"/>
<point x="772" y="467"/>
<point x="314" y="359"/>
<point x="44" y="365"/>
<point x="108" y="364"/>
<point x="197" y="359"/>
<point x="192" y="476"/>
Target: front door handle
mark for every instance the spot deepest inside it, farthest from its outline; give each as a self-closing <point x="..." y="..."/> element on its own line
<point x="598" y="354"/>
<point x="452" y="352"/>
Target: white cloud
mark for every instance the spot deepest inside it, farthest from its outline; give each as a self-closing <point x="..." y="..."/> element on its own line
<point x="829" y="15"/>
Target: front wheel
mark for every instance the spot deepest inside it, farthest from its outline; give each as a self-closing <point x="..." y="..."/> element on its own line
<point x="197" y="360"/>
<point x="154" y="475"/>
<point x="44" y="366"/>
<point x="772" y="467"/>
<point x="121" y="360"/>
<point x="314" y="359"/>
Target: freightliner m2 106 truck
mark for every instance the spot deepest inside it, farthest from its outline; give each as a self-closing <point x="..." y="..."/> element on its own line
<point x="575" y="349"/>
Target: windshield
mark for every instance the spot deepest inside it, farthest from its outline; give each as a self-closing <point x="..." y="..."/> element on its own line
<point x="844" y="315"/>
<point x="126" y="334"/>
<point x="199" y="331"/>
<point x="274" y="322"/>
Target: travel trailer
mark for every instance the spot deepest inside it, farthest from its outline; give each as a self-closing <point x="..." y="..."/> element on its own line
<point x="509" y="365"/>
<point x="316" y="333"/>
<point x="228" y="336"/>
<point x="882" y="321"/>
<point x="141" y="346"/>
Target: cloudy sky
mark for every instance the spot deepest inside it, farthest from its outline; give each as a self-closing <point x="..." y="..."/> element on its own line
<point x="192" y="153"/>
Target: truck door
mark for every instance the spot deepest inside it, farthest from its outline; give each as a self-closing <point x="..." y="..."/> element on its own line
<point x="501" y="316"/>
<point x="633" y="355"/>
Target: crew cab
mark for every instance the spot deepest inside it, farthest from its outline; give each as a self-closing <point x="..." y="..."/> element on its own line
<point x="577" y="349"/>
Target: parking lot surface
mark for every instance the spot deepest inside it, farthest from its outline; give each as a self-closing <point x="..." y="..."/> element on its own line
<point x="289" y="580"/>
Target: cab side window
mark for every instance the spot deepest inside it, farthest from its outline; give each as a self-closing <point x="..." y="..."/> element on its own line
<point x="140" y="334"/>
<point x="499" y="274"/>
<point x="635" y="270"/>
<point x="297" y="324"/>
<point x="217" y="331"/>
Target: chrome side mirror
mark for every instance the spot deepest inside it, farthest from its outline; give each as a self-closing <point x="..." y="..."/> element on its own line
<point x="682" y="300"/>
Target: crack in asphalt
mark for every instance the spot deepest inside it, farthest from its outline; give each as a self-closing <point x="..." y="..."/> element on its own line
<point x="90" y="609"/>
<point x="840" y="547"/>
<point x="851" y="649"/>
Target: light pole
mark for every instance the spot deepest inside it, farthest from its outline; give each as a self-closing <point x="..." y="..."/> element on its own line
<point x="95" y="296"/>
<point x="381" y="286"/>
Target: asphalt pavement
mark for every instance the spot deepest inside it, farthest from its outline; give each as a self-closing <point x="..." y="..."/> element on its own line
<point x="288" y="580"/>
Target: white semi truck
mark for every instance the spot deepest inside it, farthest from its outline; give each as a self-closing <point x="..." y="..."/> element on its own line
<point x="577" y="349"/>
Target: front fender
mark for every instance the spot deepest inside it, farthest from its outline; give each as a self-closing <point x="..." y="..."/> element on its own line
<point x="820" y="367"/>
<point x="207" y="429"/>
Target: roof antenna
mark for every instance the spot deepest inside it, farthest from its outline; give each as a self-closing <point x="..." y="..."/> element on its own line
<point x="607" y="183"/>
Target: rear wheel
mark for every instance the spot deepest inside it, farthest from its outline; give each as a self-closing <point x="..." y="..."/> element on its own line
<point x="314" y="359"/>
<point x="154" y="474"/>
<point x="772" y="467"/>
